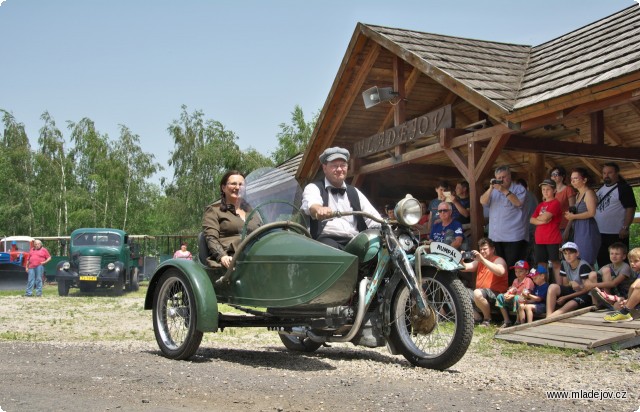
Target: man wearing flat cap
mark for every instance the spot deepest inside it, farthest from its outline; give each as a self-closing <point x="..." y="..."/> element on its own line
<point x="322" y="198"/>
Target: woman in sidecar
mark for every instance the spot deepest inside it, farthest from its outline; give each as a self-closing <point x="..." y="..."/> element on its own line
<point x="222" y="224"/>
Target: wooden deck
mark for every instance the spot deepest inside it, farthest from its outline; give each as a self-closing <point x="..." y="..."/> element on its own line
<point x="582" y="329"/>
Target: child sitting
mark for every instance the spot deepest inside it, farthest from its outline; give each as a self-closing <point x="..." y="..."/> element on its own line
<point x="509" y="300"/>
<point x="616" y="278"/>
<point x="534" y="302"/>
<point x="624" y="314"/>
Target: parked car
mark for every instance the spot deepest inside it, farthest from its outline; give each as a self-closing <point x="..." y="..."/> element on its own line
<point x="99" y="258"/>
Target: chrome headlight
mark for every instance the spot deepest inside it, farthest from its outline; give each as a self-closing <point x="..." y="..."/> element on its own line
<point x="408" y="211"/>
<point x="111" y="266"/>
<point x="66" y="266"/>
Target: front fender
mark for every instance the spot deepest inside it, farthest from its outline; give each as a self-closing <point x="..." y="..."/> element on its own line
<point x="196" y="275"/>
<point x="441" y="262"/>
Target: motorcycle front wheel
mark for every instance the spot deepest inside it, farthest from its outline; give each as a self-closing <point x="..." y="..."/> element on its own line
<point x="447" y="341"/>
<point x="174" y="316"/>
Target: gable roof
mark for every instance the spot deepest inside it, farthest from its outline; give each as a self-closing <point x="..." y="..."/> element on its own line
<point x="604" y="50"/>
<point x="511" y="76"/>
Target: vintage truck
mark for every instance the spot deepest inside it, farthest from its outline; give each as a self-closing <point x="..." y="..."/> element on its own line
<point x="99" y="258"/>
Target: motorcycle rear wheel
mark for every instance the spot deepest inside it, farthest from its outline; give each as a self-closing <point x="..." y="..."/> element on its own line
<point x="448" y="341"/>
<point x="299" y="343"/>
<point x="174" y="316"/>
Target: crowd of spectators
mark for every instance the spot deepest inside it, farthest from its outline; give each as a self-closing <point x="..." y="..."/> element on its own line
<point x="576" y="241"/>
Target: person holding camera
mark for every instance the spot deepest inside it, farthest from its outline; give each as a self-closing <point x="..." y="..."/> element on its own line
<point x="508" y="224"/>
<point x="581" y="217"/>
<point x="491" y="279"/>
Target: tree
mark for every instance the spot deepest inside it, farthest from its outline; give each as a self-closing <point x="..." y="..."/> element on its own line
<point x="16" y="208"/>
<point x="93" y="167"/>
<point x="136" y="167"/>
<point x="204" y="151"/>
<point x="53" y="167"/>
<point x="293" y="138"/>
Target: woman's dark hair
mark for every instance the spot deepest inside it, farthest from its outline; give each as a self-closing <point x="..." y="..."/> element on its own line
<point x="223" y="201"/>
<point x="584" y="173"/>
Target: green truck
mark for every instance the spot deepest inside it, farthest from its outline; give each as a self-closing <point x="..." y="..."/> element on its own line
<point x="99" y="258"/>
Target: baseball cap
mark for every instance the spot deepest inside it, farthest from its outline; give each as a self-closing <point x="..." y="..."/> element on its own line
<point x="334" y="153"/>
<point x="570" y="245"/>
<point x="540" y="270"/>
<point x="548" y="182"/>
<point x="521" y="264"/>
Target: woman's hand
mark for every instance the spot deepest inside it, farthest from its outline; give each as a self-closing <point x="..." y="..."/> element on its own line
<point x="225" y="261"/>
<point x="569" y="216"/>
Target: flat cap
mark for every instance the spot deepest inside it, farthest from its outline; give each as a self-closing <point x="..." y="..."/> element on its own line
<point x="334" y="153"/>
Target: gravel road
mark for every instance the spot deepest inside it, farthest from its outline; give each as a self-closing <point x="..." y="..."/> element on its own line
<point x="79" y="354"/>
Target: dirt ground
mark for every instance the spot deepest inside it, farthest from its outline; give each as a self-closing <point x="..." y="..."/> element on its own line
<point x="98" y="353"/>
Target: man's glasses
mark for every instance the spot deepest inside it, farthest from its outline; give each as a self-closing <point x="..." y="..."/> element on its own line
<point x="555" y="174"/>
<point x="443" y="210"/>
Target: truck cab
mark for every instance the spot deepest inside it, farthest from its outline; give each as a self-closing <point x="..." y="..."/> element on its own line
<point x="99" y="258"/>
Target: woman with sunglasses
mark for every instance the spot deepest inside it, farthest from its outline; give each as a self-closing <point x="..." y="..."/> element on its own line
<point x="564" y="193"/>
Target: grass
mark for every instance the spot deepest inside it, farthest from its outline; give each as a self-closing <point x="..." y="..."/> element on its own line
<point x="101" y="316"/>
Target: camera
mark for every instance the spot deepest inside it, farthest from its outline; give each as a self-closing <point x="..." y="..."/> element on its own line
<point x="467" y="256"/>
<point x="573" y="210"/>
<point x="496" y="181"/>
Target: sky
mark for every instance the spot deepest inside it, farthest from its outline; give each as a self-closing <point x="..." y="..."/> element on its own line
<point x="244" y="63"/>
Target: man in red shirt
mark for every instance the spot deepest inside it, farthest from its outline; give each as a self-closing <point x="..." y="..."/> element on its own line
<point x="491" y="279"/>
<point x="38" y="257"/>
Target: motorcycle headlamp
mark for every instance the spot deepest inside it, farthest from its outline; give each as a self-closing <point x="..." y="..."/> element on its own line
<point x="111" y="266"/>
<point x="408" y="211"/>
<point x="66" y="266"/>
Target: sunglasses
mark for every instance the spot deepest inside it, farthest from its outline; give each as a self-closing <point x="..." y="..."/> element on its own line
<point x="443" y="210"/>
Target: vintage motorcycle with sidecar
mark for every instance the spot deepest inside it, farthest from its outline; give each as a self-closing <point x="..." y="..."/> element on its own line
<point x="383" y="289"/>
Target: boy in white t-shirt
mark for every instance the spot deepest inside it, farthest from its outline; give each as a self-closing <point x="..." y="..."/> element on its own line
<point x="614" y="279"/>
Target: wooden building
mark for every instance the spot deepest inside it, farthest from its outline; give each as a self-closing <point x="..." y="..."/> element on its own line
<point x="465" y="106"/>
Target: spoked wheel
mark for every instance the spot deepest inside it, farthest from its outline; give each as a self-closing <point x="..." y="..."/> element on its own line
<point x="174" y="316"/>
<point x="437" y="346"/>
<point x="299" y="343"/>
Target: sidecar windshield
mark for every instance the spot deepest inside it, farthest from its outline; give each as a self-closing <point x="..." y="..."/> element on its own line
<point x="275" y="195"/>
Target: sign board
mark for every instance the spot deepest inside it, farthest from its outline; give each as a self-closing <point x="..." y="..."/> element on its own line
<point x="425" y="125"/>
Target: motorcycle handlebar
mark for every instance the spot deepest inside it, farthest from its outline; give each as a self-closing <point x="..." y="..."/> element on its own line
<point x="357" y="213"/>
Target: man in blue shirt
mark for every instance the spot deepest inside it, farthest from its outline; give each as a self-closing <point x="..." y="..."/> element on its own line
<point x="447" y="230"/>
<point x="508" y="224"/>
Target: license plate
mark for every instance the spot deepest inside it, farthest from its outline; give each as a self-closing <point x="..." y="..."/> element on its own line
<point x="90" y="278"/>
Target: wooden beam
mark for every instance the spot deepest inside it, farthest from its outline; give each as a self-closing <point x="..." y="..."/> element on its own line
<point x="537" y="173"/>
<point x="490" y="154"/>
<point x="564" y="148"/>
<point x="597" y="127"/>
<point x="611" y="93"/>
<point x="408" y="88"/>
<point x="454" y="154"/>
<point x="399" y="114"/>
<point x="617" y="139"/>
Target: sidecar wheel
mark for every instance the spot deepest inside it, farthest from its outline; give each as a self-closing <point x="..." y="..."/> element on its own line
<point x="447" y="342"/>
<point x="174" y="316"/>
<point x="299" y="343"/>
